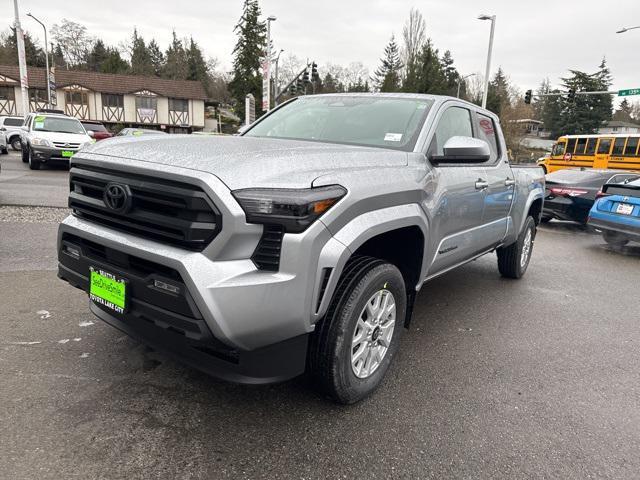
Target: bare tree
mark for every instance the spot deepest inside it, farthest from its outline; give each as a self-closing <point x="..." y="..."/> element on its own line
<point x="414" y="34"/>
<point x="74" y="41"/>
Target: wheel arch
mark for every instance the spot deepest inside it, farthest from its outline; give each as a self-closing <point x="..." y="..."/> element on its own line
<point x="376" y="234"/>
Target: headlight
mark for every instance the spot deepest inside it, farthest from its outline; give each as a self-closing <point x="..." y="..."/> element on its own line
<point x="41" y="142"/>
<point x="294" y="209"/>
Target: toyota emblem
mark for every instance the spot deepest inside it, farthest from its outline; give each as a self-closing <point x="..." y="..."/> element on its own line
<point x="117" y="197"/>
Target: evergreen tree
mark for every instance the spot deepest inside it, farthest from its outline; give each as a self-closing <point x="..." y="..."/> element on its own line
<point x="176" y="64"/>
<point x="498" y="95"/>
<point x="451" y="74"/>
<point x="97" y="56"/>
<point x="34" y="55"/>
<point x="329" y="84"/>
<point x="387" y="76"/>
<point x="157" y="57"/>
<point x="430" y="76"/>
<point x="140" y="57"/>
<point x="624" y="112"/>
<point x="246" y="56"/>
<point x="114" y="63"/>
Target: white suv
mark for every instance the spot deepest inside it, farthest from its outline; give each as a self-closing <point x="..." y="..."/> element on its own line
<point x="51" y="137"/>
<point x="10" y="130"/>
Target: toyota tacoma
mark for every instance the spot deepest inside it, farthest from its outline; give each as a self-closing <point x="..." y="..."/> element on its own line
<point x="299" y="245"/>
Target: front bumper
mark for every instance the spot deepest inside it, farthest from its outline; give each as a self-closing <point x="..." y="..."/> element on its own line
<point x="171" y="321"/>
<point x="46" y="154"/>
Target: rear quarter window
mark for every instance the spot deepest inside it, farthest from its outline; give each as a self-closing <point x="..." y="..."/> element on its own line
<point x="13" y="122"/>
<point x="487" y="131"/>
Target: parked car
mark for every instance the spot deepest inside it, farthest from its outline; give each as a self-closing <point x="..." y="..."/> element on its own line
<point x="570" y="193"/>
<point x="10" y="126"/>
<point x="96" y="130"/>
<point x="300" y="244"/>
<point x="617" y="213"/>
<point x="49" y="137"/>
<point x="136" y="132"/>
<point x="3" y="143"/>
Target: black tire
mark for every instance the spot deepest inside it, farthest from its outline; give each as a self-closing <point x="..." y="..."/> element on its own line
<point x="330" y="351"/>
<point x="15" y="143"/>
<point x="34" y="164"/>
<point x="614" y="239"/>
<point x="510" y="257"/>
<point x="4" y="151"/>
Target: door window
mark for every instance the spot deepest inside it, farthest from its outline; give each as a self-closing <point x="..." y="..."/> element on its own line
<point x="571" y="145"/>
<point x="558" y="149"/>
<point x="455" y="121"/>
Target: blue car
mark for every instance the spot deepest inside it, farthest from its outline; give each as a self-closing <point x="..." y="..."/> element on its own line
<point x="617" y="213"/>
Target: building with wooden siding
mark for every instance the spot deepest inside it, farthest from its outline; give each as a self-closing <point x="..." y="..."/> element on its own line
<point x="127" y="100"/>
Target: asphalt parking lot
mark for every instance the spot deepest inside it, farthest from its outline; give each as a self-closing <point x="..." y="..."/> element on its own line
<point x="537" y="378"/>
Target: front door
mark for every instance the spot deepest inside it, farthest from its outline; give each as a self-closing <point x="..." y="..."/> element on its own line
<point x="455" y="196"/>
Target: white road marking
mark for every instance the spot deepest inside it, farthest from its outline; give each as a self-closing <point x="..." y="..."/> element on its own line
<point x="64" y="340"/>
<point x="23" y="343"/>
<point x="84" y="355"/>
<point x="85" y="323"/>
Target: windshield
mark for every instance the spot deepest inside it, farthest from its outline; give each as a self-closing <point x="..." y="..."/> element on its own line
<point x="55" y="124"/>
<point x="385" y="122"/>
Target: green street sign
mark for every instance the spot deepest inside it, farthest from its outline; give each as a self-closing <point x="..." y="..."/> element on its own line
<point x="629" y="91"/>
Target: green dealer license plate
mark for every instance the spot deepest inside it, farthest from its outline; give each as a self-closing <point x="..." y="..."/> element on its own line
<point x="108" y="290"/>
<point x="67" y="153"/>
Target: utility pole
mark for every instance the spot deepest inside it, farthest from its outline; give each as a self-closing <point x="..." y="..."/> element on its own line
<point x="46" y="57"/>
<point x="275" y="90"/>
<point x="24" y="79"/>
<point x="488" y="67"/>
<point x="266" y="70"/>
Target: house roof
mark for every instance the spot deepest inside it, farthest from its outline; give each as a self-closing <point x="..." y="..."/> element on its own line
<point x="110" y="83"/>
<point x="617" y="123"/>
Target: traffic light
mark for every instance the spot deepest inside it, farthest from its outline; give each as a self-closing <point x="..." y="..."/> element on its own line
<point x="305" y="76"/>
<point x="292" y="90"/>
<point x="314" y="71"/>
<point x="571" y="96"/>
<point x="527" y="97"/>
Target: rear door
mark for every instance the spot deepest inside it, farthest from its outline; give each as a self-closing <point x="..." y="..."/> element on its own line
<point x="454" y="195"/>
<point x="501" y="182"/>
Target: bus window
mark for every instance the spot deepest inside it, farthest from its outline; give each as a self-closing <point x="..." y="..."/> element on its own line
<point x="558" y="149"/>
<point x="591" y="146"/>
<point x="571" y="145"/>
<point x="632" y="146"/>
<point x="581" y="144"/>
<point x="618" y="146"/>
<point x="604" y="146"/>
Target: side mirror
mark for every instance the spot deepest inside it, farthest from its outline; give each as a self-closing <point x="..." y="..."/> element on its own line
<point x="463" y="150"/>
<point x="90" y="133"/>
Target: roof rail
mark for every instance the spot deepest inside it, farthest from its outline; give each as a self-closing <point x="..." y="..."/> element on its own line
<point x="50" y="110"/>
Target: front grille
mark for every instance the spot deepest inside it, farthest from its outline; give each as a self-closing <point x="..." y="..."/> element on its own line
<point x="169" y="212"/>
<point x="66" y="145"/>
<point x="267" y="254"/>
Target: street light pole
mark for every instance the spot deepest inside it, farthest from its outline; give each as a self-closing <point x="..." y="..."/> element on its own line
<point x="24" y="79"/>
<point x="46" y="57"/>
<point x="488" y="68"/>
<point x="275" y="90"/>
<point x="266" y="96"/>
<point x="460" y="80"/>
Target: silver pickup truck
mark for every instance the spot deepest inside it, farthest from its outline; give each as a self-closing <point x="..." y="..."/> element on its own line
<point x="301" y="244"/>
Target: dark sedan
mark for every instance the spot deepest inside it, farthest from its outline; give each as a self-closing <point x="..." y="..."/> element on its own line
<point x="570" y="193"/>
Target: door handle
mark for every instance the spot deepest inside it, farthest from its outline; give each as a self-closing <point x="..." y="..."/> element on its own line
<point x="509" y="182"/>
<point x="481" y="184"/>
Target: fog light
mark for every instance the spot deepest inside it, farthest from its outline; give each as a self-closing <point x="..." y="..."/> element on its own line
<point x="166" y="286"/>
<point x="73" y="251"/>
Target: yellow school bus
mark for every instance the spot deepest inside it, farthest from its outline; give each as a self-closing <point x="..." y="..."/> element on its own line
<point x="617" y="151"/>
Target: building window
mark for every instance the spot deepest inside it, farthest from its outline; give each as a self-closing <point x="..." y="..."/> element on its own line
<point x="7" y="101"/>
<point x="146" y="108"/>
<point x="72" y="97"/>
<point x="7" y="93"/>
<point x="178" y="111"/>
<point x="112" y="100"/>
<point x="178" y="105"/>
<point x="38" y="95"/>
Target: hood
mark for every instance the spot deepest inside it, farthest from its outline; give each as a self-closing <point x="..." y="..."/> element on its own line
<point x="243" y="162"/>
<point x="62" y="137"/>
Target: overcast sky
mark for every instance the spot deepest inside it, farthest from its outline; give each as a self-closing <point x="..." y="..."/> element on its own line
<point x="533" y="39"/>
